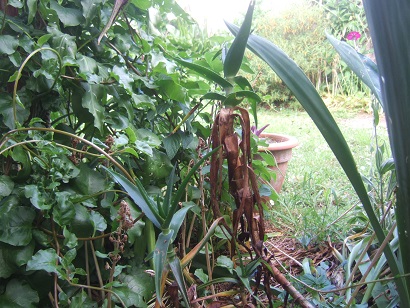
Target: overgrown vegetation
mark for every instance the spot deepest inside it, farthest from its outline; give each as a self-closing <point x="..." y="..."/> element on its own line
<point x="300" y="32"/>
<point x="127" y="175"/>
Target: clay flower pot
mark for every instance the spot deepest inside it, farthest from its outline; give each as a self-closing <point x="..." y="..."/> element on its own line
<point x="281" y="147"/>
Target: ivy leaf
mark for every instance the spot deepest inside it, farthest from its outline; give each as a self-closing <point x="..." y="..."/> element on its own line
<point x="15" y="224"/>
<point x="16" y="3"/>
<point x="172" y="143"/>
<point x="6" y="110"/>
<point x="32" y="10"/>
<point x="90" y="9"/>
<point x="6" y="186"/>
<point x="65" y="44"/>
<point x="70" y="239"/>
<point x="68" y="16"/>
<point x="98" y="221"/>
<point x="172" y="90"/>
<point x="12" y="257"/>
<point x="199" y="272"/>
<point x="19" y="294"/>
<point x="91" y="100"/>
<point x="87" y="64"/>
<point x="64" y="211"/>
<point x="89" y="181"/>
<point x="142" y="4"/>
<point x="45" y="260"/>
<point x="122" y="76"/>
<point x="225" y="262"/>
<point x="148" y="136"/>
<point x="38" y="198"/>
<point x="8" y="44"/>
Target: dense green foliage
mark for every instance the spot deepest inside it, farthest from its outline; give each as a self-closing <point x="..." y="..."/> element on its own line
<point x="117" y="102"/>
<point x="300" y="32"/>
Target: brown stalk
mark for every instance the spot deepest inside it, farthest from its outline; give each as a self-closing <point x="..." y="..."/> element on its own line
<point x="244" y="189"/>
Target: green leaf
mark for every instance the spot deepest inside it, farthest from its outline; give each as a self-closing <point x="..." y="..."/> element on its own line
<point x="16" y="3"/>
<point x="389" y="25"/>
<point x="98" y="221"/>
<point x="172" y="143"/>
<point x="172" y="90"/>
<point x="19" y="294"/>
<point x="68" y="16"/>
<point x="236" y="52"/>
<point x="89" y="181"/>
<point x="6" y="186"/>
<point x="64" y="44"/>
<point x="205" y="73"/>
<point x="142" y="4"/>
<point x="160" y="258"/>
<point x="6" y="110"/>
<point x="45" y="260"/>
<point x="92" y="101"/>
<point x="12" y="257"/>
<point x="123" y="77"/>
<point x="361" y="65"/>
<point x="213" y="96"/>
<point x="178" y="219"/>
<point x="32" y="10"/>
<point x="139" y="282"/>
<point x="199" y="272"/>
<point x="81" y="299"/>
<point x="234" y="99"/>
<point x="139" y="195"/>
<point x="147" y="136"/>
<point x="225" y="262"/>
<point x="176" y="269"/>
<point x="63" y="212"/>
<point x="38" y="198"/>
<point x="70" y="239"/>
<point x="87" y="64"/>
<point x="8" y="44"/>
<point x="16" y="224"/>
<point x="90" y="9"/>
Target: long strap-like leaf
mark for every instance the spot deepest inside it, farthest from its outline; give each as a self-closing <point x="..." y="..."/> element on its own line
<point x="389" y="23"/>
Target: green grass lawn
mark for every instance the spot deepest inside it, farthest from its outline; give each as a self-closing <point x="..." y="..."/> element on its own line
<point x="316" y="190"/>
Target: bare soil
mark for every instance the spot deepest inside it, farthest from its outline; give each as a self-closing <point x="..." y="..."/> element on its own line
<point x="363" y="120"/>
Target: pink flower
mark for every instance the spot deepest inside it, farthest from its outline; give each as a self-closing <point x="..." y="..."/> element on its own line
<point x="353" y="36"/>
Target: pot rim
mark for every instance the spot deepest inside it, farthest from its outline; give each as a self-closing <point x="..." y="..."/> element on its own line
<point x="285" y="142"/>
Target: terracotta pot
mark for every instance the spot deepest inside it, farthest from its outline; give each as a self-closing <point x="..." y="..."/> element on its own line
<point x="281" y="147"/>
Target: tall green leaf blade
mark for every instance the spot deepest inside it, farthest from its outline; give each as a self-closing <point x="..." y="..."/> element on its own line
<point x="361" y="65"/>
<point x="177" y="220"/>
<point x="189" y="256"/>
<point x="176" y="269"/>
<point x="235" y="54"/>
<point x="160" y="259"/>
<point x="205" y="73"/>
<point x="168" y="194"/>
<point x="389" y="25"/>
<point x="140" y="197"/>
<point x="311" y="101"/>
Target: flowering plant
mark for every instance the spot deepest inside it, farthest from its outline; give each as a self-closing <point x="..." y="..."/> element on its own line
<point x="353" y="36"/>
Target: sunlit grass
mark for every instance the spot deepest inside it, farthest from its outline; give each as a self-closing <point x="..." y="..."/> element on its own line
<point x="316" y="190"/>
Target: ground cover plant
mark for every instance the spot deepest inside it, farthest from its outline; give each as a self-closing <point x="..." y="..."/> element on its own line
<point x="119" y="188"/>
